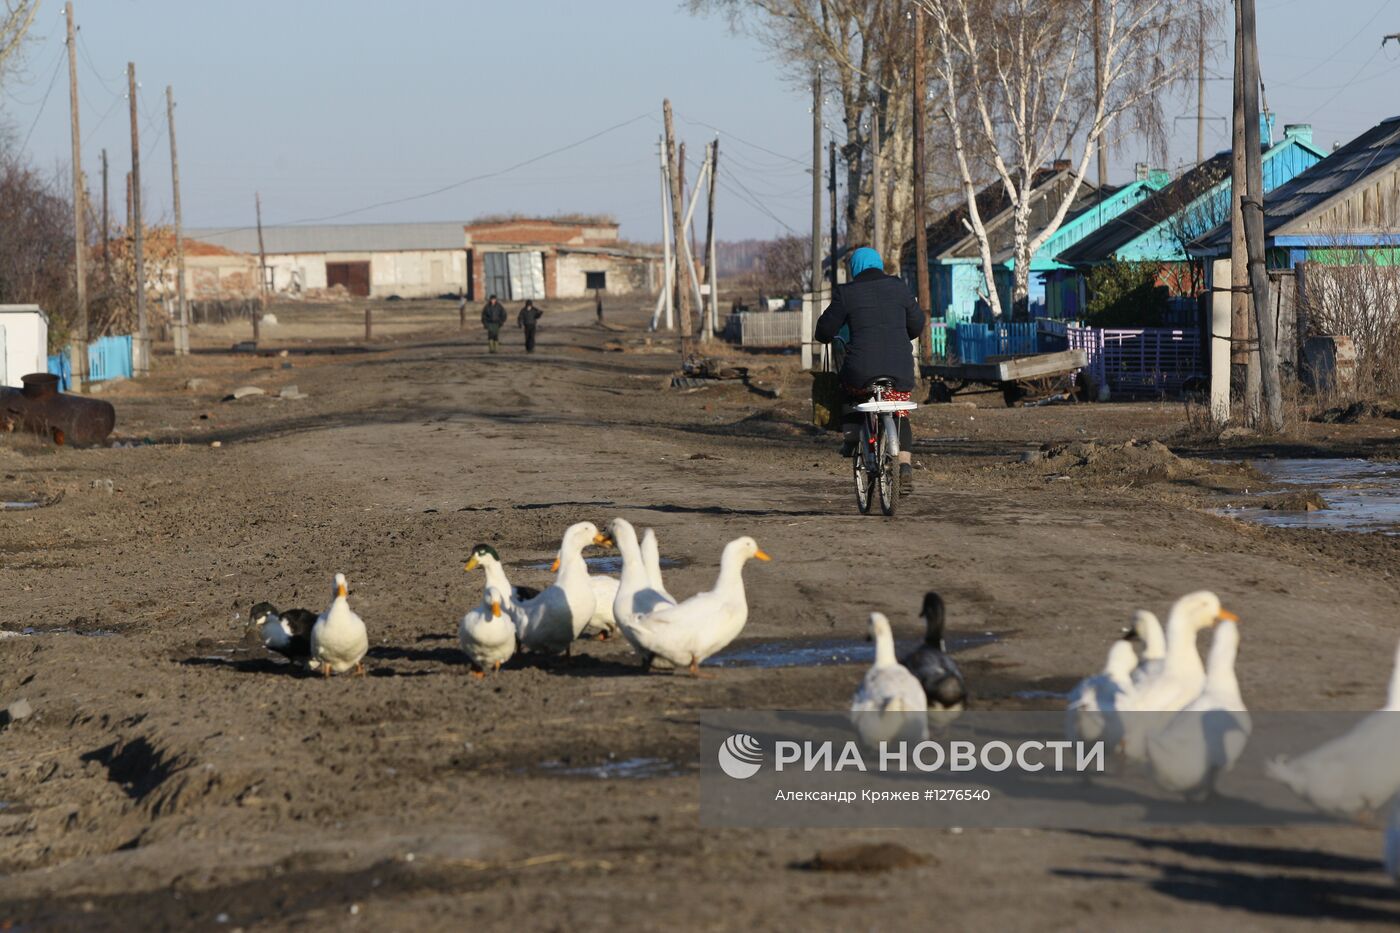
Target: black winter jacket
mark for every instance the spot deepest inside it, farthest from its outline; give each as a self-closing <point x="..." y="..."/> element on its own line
<point x="493" y="315"/>
<point x="883" y="318"/>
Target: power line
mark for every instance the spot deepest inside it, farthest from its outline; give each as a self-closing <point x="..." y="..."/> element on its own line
<point x="740" y="139"/>
<point x="87" y="56"/>
<point x="456" y="184"/>
<point x="42" y="104"/>
<point x="1326" y="61"/>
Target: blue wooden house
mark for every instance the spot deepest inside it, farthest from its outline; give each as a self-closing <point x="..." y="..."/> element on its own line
<point x="956" y="281"/>
<point x="1162" y="227"/>
<point x="1348" y="202"/>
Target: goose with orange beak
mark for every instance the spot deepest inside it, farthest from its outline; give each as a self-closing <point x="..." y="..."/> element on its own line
<point x="338" y="639"/>
<point x="601" y="624"/>
<point x="549" y="623"/>
<point x="487" y="633"/>
<point x="703" y="625"/>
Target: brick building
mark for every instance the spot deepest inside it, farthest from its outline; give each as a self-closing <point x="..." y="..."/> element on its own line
<point x="529" y="258"/>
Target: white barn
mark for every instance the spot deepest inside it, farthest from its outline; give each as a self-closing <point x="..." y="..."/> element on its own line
<point x="417" y="260"/>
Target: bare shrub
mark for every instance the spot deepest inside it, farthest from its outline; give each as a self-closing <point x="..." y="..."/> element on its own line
<point x="36" y="245"/>
<point x="1357" y="294"/>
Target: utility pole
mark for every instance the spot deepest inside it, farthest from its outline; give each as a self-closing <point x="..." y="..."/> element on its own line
<point x="811" y="308"/>
<point x="182" y="327"/>
<point x="677" y="230"/>
<point x="1253" y="209"/>
<point x="711" y="253"/>
<point x="1201" y="83"/>
<point x="262" y="272"/>
<point x="79" y="212"/>
<point x="106" y="230"/>
<point x="920" y="230"/>
<point x="664" y="300"/>
<point x="831" y="188"/>
<point x="143" y="340"/>
<point x="877" y="192"/>
<point x="1241" y="358"/>
<point x="1098" y="70"/>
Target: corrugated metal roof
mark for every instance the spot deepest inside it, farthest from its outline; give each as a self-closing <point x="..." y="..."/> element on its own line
<point x="338" y="238"/>
<point x="1374" y="150"/>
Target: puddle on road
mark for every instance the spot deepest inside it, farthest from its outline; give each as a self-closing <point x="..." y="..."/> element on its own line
<point x="1361" y="495"/>
<point x="821" y="653"/>
<point x="16" y="506"/>
<point x="608" y="563"/>
<point x="86" y="633"/>
<point x="626" y="768"/>
<point x="1039" y="695"/>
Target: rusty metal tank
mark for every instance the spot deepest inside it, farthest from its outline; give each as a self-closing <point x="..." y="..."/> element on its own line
<point x="39" y="408"/>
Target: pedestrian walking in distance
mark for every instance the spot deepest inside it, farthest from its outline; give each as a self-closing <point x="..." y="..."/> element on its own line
<point x="493" y="318"/>
<point x="529" y="319"/>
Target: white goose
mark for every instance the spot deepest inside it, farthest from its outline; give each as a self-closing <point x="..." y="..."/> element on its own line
<point x="890" y="703"/>
<point x="1182" y="678"/>
<point x="1208" y="736"/>
<point x="487" y="636"/>
<point x="1148" y="630"/>
<point x="338" y="639"/>
<point x="636" y="595"/>
<point x="689" y="632"/>
<point x="550" y="622"/>
<point x="1356" y="772"/>
<point x="1092" y="713"/>
<point x="651" y="559"/>
<point x="601" y="624"/>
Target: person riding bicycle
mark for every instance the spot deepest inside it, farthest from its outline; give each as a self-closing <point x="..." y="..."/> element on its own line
<point x="882" y="318"/>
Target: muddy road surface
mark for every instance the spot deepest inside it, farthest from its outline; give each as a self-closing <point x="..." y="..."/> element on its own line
<point x="174" y="775"/>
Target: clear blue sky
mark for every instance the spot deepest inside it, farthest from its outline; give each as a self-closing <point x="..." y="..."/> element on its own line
<point x="330" y="105"/>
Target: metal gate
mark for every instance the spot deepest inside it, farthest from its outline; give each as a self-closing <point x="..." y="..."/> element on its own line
<point x="515" y="276"/>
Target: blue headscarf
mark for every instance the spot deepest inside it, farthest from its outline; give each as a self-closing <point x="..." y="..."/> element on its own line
<point x="865" y="258"/>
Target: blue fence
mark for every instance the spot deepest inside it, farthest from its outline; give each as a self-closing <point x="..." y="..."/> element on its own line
<point x="108" y="358"/>
<point x="976" y="343"/>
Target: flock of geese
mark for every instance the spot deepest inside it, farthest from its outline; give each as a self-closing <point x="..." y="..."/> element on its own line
<point x="664" y="631"/>
<point x="1155" y="703"/>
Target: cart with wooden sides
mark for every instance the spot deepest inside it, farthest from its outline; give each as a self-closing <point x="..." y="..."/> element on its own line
<point x="1020" y="379"/>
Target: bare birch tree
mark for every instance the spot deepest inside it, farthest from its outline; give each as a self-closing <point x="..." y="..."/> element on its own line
<point x="15" y="20"/>
<point x="864" y="48"/>
<point x="1021" y="83"/>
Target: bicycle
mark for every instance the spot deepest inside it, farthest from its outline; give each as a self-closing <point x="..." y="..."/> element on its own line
<point x="875" y="463"/>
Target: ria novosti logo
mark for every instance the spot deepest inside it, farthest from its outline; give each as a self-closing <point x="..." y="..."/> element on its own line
<point x="740" y="756"/>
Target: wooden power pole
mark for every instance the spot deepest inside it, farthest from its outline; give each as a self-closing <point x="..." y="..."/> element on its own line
<point x="920" y="230"/>
<point x="262" y="272"/>
<point x="711" y="251"/>
<point x="1252" y="207"/>
<point x="877" y="188"/>
<point x="106" y="231"/>
<point x="143" y="340"/>
<point x="812" y="308"/>
<point x="678" y="231"/>
<point x="80" y="324"/>
<point x="182" y="327"/>
<point x="831" y="190"/>
<point x="1241" y="357"/>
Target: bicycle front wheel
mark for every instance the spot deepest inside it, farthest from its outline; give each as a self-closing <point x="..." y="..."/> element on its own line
<point x="864" y="483"/>
<point x="888" y="481"/>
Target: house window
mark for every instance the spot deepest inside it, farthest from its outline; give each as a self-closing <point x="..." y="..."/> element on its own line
<point x="595" y="281"/>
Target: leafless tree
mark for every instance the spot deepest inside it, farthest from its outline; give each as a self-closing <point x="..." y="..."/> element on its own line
<point x="36" y="244"/>
<point x="863" y="50"/>
<point x="1357" y="294"/>
<point x="787" y="263"/>
<point x="15" y="20"/>
<point x="1021" y="78"/>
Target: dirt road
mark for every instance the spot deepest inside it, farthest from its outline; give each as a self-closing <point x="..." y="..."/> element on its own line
<point x="173" y="775"/>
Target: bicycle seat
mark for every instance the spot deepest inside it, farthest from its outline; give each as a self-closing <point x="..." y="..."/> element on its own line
<point x="880" y="382"/>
